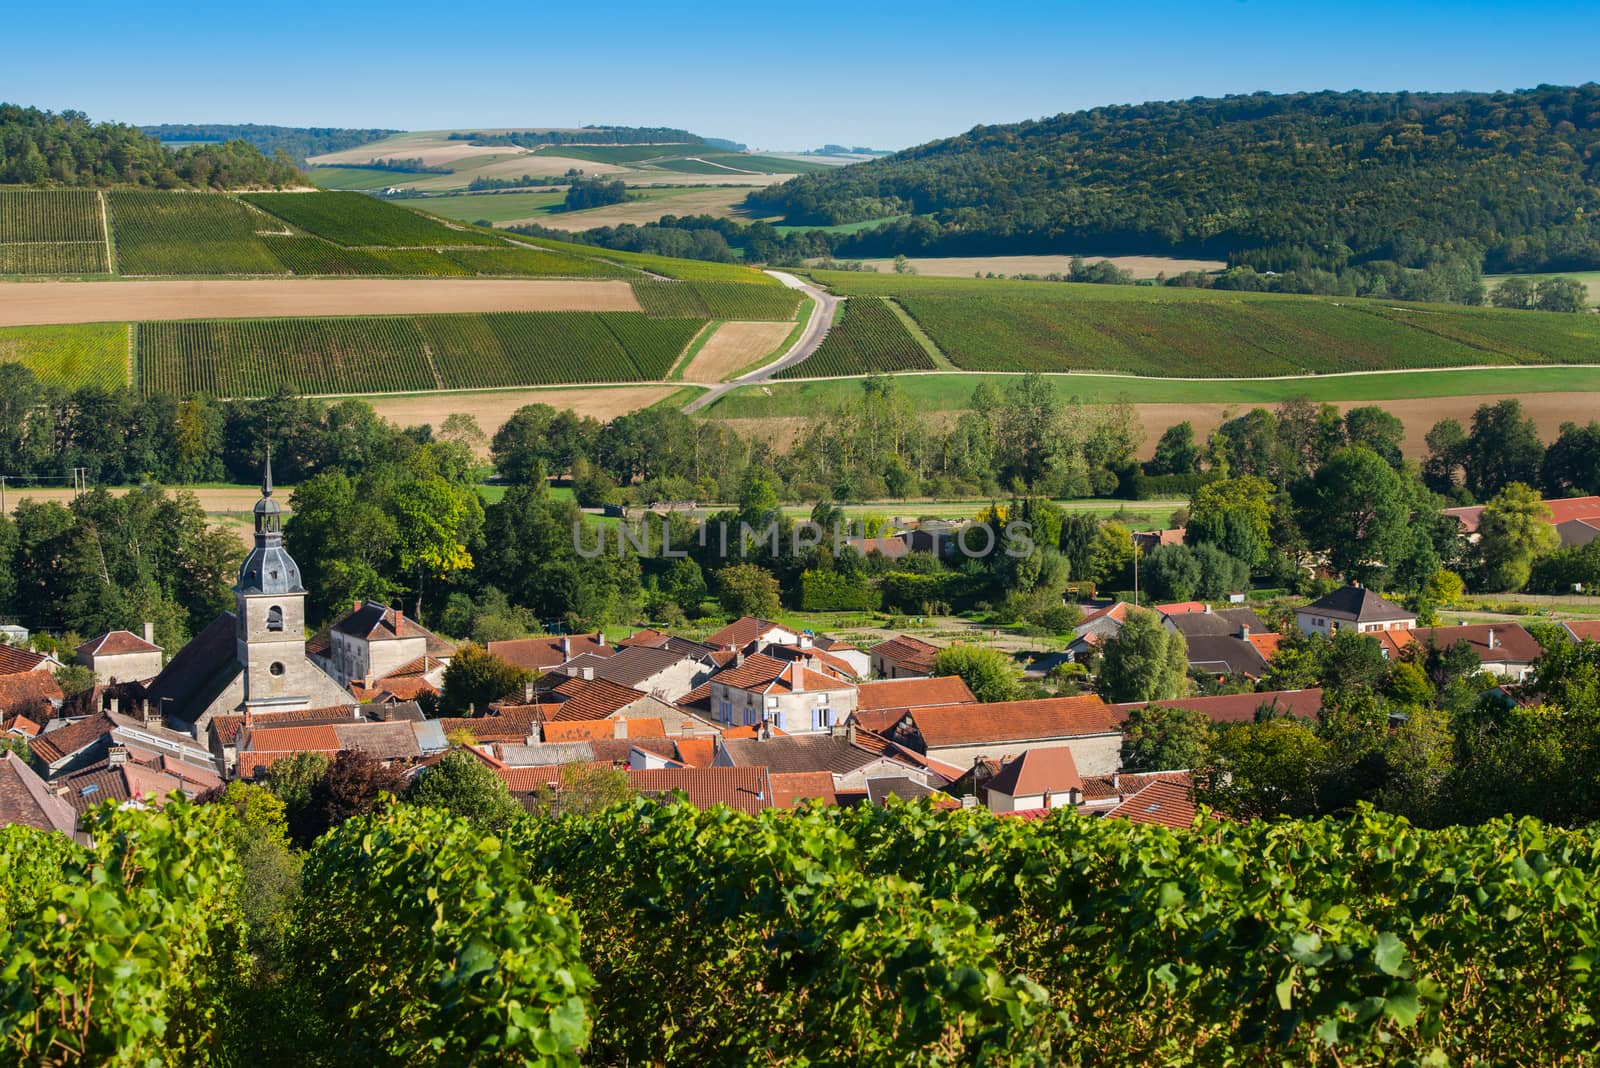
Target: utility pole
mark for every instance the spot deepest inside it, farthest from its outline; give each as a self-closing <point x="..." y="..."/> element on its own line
<point x="3" y="495"/>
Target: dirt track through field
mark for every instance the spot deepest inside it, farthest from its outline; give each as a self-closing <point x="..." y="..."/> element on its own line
<point x="732" y="347"/>
<point x="26" y="303"/>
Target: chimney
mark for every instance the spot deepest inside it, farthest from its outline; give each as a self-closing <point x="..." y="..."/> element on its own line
<point x="355" y="605"/>
<point x="1355" y="584"/>
<point x="399" y="621"/>
<point x="367" y="681"/>
<point x="117" y="756"/>
<point x="1491" y="638"/>
<point x="1208" y="610"/>
<point x="149" y="632"/>
<point x="850" y="731"/>
<point x="527" y="693"/>
<point x="587" y="673"/>
<point x="566" y="647"/>
<point x="619" y="728"/>
<point x="1244" y="633"/>
<point x="116" y="705"/>
<point x="151" y="719"/>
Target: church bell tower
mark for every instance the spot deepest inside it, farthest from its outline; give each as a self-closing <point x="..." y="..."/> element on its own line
<point x="270" y="605"/>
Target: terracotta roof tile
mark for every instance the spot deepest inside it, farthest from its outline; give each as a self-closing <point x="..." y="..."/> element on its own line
<point x="28" y="688"/>
<point x="542" y="654"/>
<point x="588" y="730"/>
<point x="698" y="698"/>
<point x="116" y="643"/>
<point x="592" y="699"/>
<point x="698" y="752"/>
<point x="766" y="674"/>
<point x="741" y="632"/>
<point x="319" y="738"/>
<point x="64" y="741"/>
<point x="1047" y="770"/>
<point x="753" y="730"/>
<point x="1008" y="721"/>
<point x="14" y="659"/>
<point x="1512" y="643"/>
<point x="1585" y="630"/>
<point x="791" y="788"/>
<point x="1170" y="804"/>
<point x="741" y="789"/>
<point x="26" y="800"/>
<point x="226" y="728"/>
<point x="1125" y="784"/>
<point x="913" y="654"/>
<point x="798" y="752"/>
<point x="913" y="693"/>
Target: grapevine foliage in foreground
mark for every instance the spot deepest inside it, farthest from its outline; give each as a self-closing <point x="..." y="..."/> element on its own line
<point x="902" y="936"/>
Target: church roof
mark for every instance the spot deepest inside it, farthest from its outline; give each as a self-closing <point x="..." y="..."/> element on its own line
<point x="198" y="673"/>
<point x="269" y="568"/>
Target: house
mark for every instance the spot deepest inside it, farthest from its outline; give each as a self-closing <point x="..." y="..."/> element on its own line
<point x="254" y="657"/>
<point x="389" y="743"/>
<point x="1352" y="607"/>
<point x="1098" y="624"/>
<point x="880" y="705"/>
<point x="788" y="696"/>
<point x="961" y="734"/>
<point x="1578" y="515"/>
<point x="373" y="641"/>
<point x="853" y="766"/>
<point x="1243" y="707"/>
<point x="748" y="631"/>
<point x="1039" y="778"/>
<point x="903" y="657"/>
<point x="656" y="670"/>
<point x="122" y="656"/>
<point x="1102" y="793"/>
<point x="600" y="699"/>
<point x="34" y="694"/>
<point x="17" y="660"/>
<point x="123" y="779"/>
<point x="815" y="658"/>
<point x="1219" y="641"/>
<point x="745" y="789"/>
<point x="880" y="790"/>
<point x="1145" y="540"/>
<point x="1504" y="649"/>
<point x="791" y="789"/>
<point x="544" y="654"/>
<point x="26" y="801"/>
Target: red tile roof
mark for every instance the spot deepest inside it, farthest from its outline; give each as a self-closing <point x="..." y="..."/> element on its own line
<point x="696" y="752"/>
<point x="752" y="730"/>
<point x="541" y="654"/>
<point x="1562" y="510"/>
<point x="1048" y="770"/>
<point x="1241" y="707"/>
<point x="740" y="633"/>
<point x="321" y="738"/>
<point x="64" y="741"/>
<point x="585" y="730"/>
<point x="878" y="745"/>
<point x="743" y="789"/>
<point x="14" y="659"/>
<point x="227" y="728"/>
<point x="1125" y="784"/>
<point x="907" y="652"/>
<point x="26" y="688"/>
<point x="20" y="724"/>
<point x="393" y="688"/>
<point x="650" y="639"/>
<point x="592" y="699"/>
<point x="765" y="674"/>
<point x="24" y="798"/>
<point x="791" y="788"/>
<point x="1585" y="630"/>
<point x="1014" y="721"/>
<point x="375" y="622"/>
<point x="913" y="693"/>
<point x="1512" y="643"/>
<point x="698" y="698"/>
<point x="1170" y="804"/>
<point x="815" y="658"/>
<point x="1266" y="644"/>
<point x="116" y="643"/>
<point x="1179" y="608"/>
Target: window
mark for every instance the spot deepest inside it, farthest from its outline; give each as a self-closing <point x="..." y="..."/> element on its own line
<point x="725" y="712"/>
<point x="276" y="668"/>
<point x="275" y="619"/>
<point x="821" y="718"/>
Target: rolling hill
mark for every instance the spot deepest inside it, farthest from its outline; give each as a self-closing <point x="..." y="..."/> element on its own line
<point x="1306" y="180"/>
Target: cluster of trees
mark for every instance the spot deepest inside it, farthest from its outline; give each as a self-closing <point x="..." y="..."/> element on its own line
<point x="1545" y="294"/>
<point x="47" y="148"/>
<point x="1427" y="735"/>
<point x="1276" y="182"/>
<point x="592" y="135"/>
<point x="594" y="193"/>
<point x="299" y="143"/>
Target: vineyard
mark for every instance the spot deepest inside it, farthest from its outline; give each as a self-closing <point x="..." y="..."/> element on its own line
<point x="190" y="233"/>
<point x="533" y="262"/>
<point x="1044" y="326"/>
<point x="88" y="354"/>
<point x="56" y="231"/>
<point x="357" y="219"/>
<point x="398" y="354"/>
<point x="716" y="300"/>
<point x="867" y="337"/>
<point x="905" y="936"/>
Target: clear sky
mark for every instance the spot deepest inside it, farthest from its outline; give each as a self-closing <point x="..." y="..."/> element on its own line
<point x="774" y="75"/>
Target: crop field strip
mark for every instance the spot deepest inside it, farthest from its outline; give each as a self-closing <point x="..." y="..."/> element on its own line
<point x="85" y="354"/>
<point x="716" y="300"/>
<point x="1046" y="326"/>
<point x="163" y="233"/>
<point x="401" y="354"/>
<point x="867" y="337"/>
<point x="54" y="231"/>
<point x="356" y="220"/>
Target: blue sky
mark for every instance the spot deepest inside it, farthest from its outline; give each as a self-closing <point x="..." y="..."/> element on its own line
<point x="772" y="75"/>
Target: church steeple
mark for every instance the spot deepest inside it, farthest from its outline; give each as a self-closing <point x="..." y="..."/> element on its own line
<point x="269" y="568"/>
<point x="266" y="474"/>
<point x="270" y="606"/>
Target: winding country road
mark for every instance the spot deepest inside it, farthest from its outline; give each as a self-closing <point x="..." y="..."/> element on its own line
<point x="822" y="309"/>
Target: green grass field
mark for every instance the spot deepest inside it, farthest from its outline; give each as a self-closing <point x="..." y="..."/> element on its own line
<point x="362" y="179"/>
<point x="842" y="228"/>
<point x="993" y="325"/>
<point x="866" y="337"/>
<point x="953" y="392"/>
<point x="401" y="354"/>
<point x="86" y="354"/>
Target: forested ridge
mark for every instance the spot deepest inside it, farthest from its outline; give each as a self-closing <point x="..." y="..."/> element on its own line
<point x="1278" y="182"/>
<point x="296" y="141"/>
<point x="67" y="149"/>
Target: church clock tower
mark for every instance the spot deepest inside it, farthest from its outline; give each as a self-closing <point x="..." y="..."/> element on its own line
<point x="270" y="605"/>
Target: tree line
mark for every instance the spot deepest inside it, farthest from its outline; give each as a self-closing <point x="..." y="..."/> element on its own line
<point x="49" y="148"/>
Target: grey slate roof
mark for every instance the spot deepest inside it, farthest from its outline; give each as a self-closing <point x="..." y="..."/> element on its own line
<point x="1358" y="604"/>
<point x="797" y="752"/>
<point x="1223" y="621"/>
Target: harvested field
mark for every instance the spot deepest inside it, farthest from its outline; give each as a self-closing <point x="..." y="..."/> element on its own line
<point x="719" y="202"/>
<point x="432" y="151"/>
<point x="92" y="302"/>
<point x="213" y="500"/>
<point x="492" y="408"/>
<point x="967" y="266"/>
<point x="734" y="346"/>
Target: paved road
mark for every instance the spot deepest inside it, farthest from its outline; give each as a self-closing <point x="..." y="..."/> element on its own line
<point x="822" y="309"/>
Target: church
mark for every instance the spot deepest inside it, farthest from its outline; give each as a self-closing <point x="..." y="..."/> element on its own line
<point x="252" y="659"/>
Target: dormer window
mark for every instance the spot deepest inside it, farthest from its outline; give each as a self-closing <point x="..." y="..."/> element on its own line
<point x="275" y="615"/>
